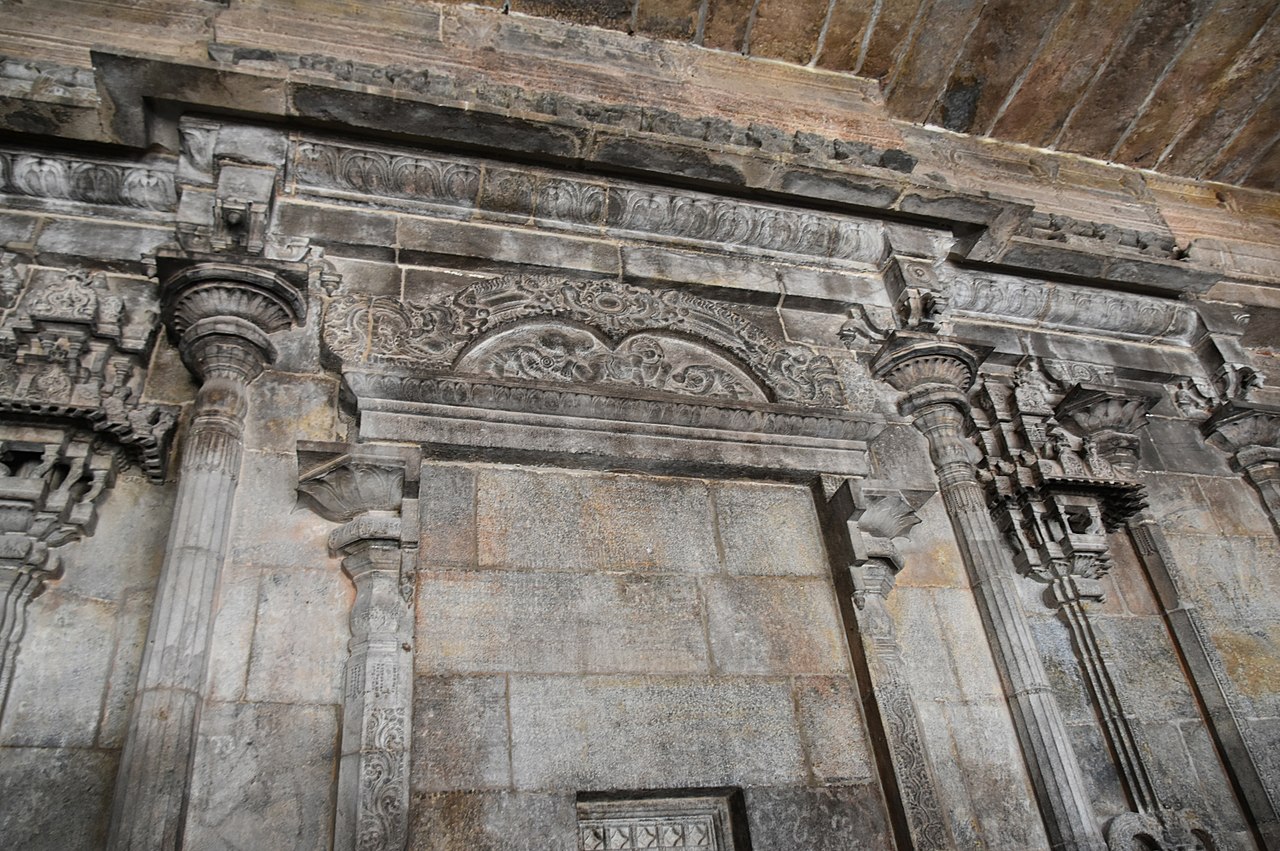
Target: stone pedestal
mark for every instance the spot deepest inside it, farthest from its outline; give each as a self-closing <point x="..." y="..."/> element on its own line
<point x="221" y="316"/>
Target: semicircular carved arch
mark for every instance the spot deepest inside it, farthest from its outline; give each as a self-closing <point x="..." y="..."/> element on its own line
<point x="434" y="334"/>
<point x="556" y="351"/>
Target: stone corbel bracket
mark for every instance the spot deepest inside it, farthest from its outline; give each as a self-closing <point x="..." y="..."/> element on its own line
<point x="1250" y="434"/>
<point x="877" y="514"/>
<point x="368" y="489"/>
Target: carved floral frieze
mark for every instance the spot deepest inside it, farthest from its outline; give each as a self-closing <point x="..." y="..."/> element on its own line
<point x="76" y="346"/>
<point x="556" y="200"/>
<point x="431" y="335"/>
<point x="87" y="181"/>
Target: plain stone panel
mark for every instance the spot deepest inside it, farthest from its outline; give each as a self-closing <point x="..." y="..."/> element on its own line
<point x="948" y="773"/>
<point x="422" y="239"/>
<point x="461" y="738"/>
<point x="300" y="636"/>
<point x="993" y="773"/>
<point x="589" y="733"/>
<point x="286" y="408"/>
<point x="268" y="526"/>
<point x="1101" y="776"/>
<point x="921" y="640"/>
<point x="1208" y="785"/>
<point x="55" y="799"/>
<point x="826" y="818"/>
<point x="447" y="502"/>
<point x="264" y="777"/>
<point x="493" y="821"/>
<point x="1236" y="506"/>
<point x="832" y="728"/>
<point x="666" y="265"/>
<point x="1148" y="672"/>
<point x="1180" y="448"/>
<point x="1062" y="664"/>
<point x="761" y="625"/>
<point x="966" y="642"/>
<point x="232" y="641"/>
<point x="769" y="530"/>
<point x="124" y="553"/>
<point x="55" y="698"/>
<point x="494" y="621"/>
<point x="567" y="521"/>
<point x="132" y="621"/>
<point x="99" y="241"/>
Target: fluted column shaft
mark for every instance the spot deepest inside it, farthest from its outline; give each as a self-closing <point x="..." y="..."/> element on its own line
<point x="1055" y="771"/>
<point x="221" y="315"/>
<point x="154" y="775"/>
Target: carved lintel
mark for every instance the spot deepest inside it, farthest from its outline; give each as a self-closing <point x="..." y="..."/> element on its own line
<point x="364" y="488"/>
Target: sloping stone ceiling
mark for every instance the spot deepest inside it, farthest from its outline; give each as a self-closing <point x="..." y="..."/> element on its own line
<point x="1185" y="87"/>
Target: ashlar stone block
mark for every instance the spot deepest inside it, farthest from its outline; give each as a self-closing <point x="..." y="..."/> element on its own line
<point x="533" y="622"/>
<point x="769" y="530"/>
<point x="596" y="733"/>
<point x="571" y="521"/>
<point x="762" y="625"/>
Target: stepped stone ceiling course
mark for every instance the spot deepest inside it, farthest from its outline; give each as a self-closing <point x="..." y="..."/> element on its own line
<point x="1189" y="88"/>
<point x="1185" y="87"/>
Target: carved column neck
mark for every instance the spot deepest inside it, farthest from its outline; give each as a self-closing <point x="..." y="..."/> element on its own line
<point x="221" y="314"/>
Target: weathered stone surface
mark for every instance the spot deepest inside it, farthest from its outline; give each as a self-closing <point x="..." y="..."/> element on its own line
<point x="286" y="753"/>
<point x="823" y="818"/>
<point x="576" y="522"/>
<point x="462" y="737"/>
<point x="769" y="530"/>
<point x="493" y="821"/>
<point x="74" y="783"/>
<point x="526" y="622"/>
<point x="774" y="626"/>
<point x="832" y="730"/>
<point x="646" y="732"/>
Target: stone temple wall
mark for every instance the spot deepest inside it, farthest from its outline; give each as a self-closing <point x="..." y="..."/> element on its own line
<point x="444" y="431"/>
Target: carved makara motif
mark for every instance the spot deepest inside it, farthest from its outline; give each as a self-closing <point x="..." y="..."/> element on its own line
<point x="89" y="182"/>
<point x="76" y="346"/>
<point x="432" y="335"/>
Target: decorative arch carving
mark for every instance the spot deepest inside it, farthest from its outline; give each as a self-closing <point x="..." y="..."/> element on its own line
<point x="435" y="334"/>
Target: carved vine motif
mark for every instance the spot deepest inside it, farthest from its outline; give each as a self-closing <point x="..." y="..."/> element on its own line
<point x="560" y="353"/>
<point x="431" y="335"/>
<point x="90" y="182"/>
<point x="383" y="781"/>
<point x="77" y="347"/>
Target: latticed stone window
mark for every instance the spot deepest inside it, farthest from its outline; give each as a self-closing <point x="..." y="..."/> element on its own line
<point x="677" y="822"/>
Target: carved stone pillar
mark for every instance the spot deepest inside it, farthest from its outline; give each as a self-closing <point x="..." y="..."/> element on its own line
<point x="364" y="489"/>
<point x="870" y="520"/>
<point x="221" y="315"/>
<point x="936" y="375"/>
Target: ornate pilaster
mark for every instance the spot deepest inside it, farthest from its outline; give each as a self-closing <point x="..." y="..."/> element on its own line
<point x="866" y="521"/>
<point x="1250" y="434"/>
<point x="221" y="315"/>
<point x="936" y="376"/>
<point x="364" y="489"/>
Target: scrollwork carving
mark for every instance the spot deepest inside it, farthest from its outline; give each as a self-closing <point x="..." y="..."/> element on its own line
<point x="87" y="181"/>
<point x="433" y="334"/>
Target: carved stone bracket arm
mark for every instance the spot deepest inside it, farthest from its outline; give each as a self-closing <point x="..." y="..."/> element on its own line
<point x="1250" y="434"/>
<point x="863" y="519"/>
